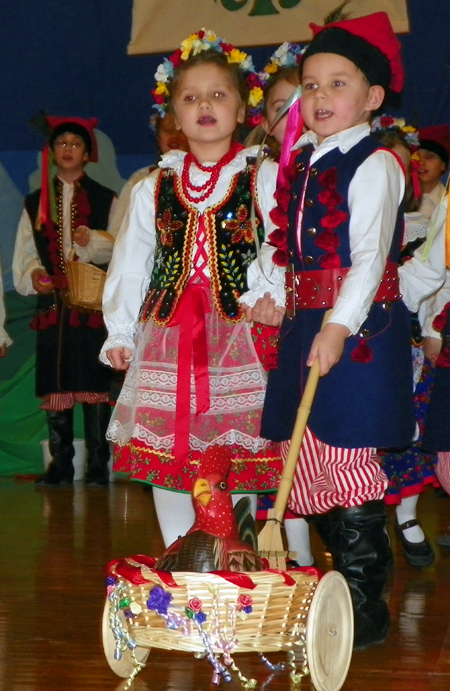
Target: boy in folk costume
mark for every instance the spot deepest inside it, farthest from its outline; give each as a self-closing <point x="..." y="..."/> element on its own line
<point x="434" y="152"/>
<point x="340" y="221"/>
<point x="68" y="338"/>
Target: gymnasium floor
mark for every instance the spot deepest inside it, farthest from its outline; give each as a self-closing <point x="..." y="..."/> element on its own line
<point x="55" y="544"/>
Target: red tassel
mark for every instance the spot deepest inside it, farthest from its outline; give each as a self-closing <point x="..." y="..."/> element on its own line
<point x="52" y="318"/>
<point x="327" y="241"/>
<point x="331" y="260"/>
<point x="34" y="323"/>
<point x="95" y="320"/>
<point x="333" y="218"/>
<point x="440" y="321"/>
<point x="443" y="359"/>
<point x="74" y="319"/>
<point x="280" y="258"/>
<point x="362" y="352"/>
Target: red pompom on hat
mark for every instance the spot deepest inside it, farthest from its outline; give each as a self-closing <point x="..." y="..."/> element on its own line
<point x="56" y="123"/>
<point x="436" y="138"/>
<point x="375" y="44"/>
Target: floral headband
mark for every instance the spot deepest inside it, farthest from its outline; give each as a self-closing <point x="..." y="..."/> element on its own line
<point x="197" y="43"/>
<point x="386" y="123"/>
<point x="287" y="55"/>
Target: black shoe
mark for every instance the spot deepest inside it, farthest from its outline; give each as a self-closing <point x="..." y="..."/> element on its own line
<point x="96" y="419"/>
<point x="56" y="475"/>
<point x="417" y="554"/>
<point x="443" y="540"/>
<point x="97" y="477"/>
<point x="441" y="493"/>
<point x="60" y="442"/>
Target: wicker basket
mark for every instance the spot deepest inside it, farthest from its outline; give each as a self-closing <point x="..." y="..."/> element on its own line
<point x="86" y="283"/>
<point x="206" y="614"/>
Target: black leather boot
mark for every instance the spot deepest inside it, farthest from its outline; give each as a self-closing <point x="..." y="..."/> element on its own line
<point x="363" y="559"/>
<point x="60" y="439"/>
<point x="96" y="419"/>
<point x="327" y="526"/>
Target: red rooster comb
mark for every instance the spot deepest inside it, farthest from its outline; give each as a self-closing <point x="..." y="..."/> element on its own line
<point x="216" y="459"/>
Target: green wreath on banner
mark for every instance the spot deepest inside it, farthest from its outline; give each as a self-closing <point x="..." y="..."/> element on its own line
<point x="260" y="7"/>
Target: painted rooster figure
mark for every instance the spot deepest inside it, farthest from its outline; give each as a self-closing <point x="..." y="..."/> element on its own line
<point x="215" y="542"/>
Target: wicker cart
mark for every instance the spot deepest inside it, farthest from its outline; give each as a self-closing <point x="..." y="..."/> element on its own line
<point x="216" y="616"/>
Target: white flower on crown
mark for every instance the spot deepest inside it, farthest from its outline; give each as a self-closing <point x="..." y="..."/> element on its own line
<point x="282" y="50"/>
<point x="164" y="71"/>
<point x="247" y="64"/>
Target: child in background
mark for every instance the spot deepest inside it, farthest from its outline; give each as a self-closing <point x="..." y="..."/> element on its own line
<point x="68" y="337"/>
<point x="280" y="78"/>
<point x="168" y="137"/>
<point x="434" y="152"/>
<point x="171" y="296"/>
<point x="410" y="470"/>
<point x="340" y="226"/>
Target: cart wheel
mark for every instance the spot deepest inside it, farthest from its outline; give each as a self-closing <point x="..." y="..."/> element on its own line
<point x="125" y="666"/>
<point x="329" y="633"/>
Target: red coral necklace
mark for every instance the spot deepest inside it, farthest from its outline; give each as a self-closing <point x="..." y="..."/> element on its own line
<point x="209" y="186"/>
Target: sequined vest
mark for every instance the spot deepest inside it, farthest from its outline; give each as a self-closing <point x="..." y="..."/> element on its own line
<point x="229" y="238"/>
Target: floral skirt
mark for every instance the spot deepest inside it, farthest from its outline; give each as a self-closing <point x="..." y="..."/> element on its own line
<point x="143" y="423"/>
<point x="410" y="470"/>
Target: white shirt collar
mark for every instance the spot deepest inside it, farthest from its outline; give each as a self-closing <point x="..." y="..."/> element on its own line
<point x="345" y="140"/>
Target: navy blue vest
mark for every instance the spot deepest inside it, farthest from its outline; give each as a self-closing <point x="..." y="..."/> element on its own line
<point x="357" y="404"/>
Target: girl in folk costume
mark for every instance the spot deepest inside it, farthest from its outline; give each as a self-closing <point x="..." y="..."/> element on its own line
<point x="437" y="321"/>
<point x="280" y="79"/>
<point x="171" y="296"/>
<point x="67" y="219"/>
<point x="410" y="469"/>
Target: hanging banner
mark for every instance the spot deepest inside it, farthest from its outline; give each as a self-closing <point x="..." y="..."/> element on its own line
<point x="159" y="26"/>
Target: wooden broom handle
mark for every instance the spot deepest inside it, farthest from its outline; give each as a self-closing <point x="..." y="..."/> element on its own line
<point x="303" y="412"/>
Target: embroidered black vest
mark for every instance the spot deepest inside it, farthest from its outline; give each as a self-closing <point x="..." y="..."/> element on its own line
<point x="229" y="237"/>
<point x="100" y="199"/>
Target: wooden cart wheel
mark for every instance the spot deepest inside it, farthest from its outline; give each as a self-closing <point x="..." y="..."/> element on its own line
<point x="329" y="633"/>
<point x="124" y="667"/>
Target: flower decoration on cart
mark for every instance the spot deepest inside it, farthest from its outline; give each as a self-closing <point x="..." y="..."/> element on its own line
<point x="197" y="43"/>
<point x="213" y="624"/>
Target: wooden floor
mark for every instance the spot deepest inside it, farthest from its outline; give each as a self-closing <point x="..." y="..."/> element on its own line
<point x="55" y="544"/>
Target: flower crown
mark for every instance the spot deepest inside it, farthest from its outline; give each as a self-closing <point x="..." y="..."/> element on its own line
<point x="286" y="55"/>
<point x="197" y="43"/>
<point x="386" y="123"/>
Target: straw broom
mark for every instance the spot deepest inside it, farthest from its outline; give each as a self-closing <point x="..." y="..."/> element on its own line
<point x="270" y="541"/>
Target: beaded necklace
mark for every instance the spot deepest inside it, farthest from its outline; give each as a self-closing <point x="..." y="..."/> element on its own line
<point x="209" y="186"/>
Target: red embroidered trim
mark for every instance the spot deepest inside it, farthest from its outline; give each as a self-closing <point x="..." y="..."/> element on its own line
<point x="440" y="321"/>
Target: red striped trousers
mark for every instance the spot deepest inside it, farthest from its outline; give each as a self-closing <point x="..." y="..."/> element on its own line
<point x="327" y="476"/>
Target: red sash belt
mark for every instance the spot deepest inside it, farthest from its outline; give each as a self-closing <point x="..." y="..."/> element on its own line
<point x="192" y="350"/>
<point x="319" y="289"/>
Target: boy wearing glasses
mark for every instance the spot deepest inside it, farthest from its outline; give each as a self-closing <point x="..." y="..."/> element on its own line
<point x="67" y="219"/>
